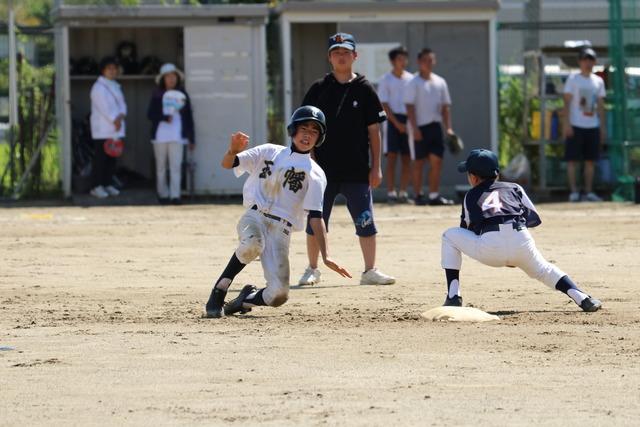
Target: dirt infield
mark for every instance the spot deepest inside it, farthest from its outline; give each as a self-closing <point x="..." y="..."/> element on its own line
<point x="102" y="307"/>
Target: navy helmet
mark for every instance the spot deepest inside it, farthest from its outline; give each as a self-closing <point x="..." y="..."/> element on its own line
<point x="481" y="162"/>
<point x="308" y="113"/>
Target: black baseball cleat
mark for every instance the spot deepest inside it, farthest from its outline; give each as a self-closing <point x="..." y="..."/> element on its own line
<point x="590" y="304"/>
<point x="235" y="305"/>
<point x="455" y="301"/>
<point x="213" y="309"/>
<point x="420" y="200"/>
<point x="440" y="201"/>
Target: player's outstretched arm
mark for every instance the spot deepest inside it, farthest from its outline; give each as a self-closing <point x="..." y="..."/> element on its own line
<point x="238" y="143"/>
<point x="320" y="233"/>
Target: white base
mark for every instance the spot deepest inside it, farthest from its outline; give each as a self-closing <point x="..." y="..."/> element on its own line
<point x="458" y="314"/>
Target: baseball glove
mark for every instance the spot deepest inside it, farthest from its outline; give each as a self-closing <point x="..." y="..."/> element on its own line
<point x="455" y="144"/>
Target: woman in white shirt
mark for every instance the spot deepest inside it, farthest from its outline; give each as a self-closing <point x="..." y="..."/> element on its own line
<point x="171" y="129"/>
<point x="108" y="110"/>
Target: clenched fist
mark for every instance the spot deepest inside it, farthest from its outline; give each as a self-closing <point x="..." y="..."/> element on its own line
<point x="239" y="142"/>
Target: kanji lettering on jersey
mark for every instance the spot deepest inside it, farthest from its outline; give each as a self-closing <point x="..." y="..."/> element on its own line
<point x="294" y="179"/>
<point x="266" y="170"/>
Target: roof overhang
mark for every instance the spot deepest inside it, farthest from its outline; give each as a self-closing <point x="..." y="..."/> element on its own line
<point x="83" y="16"/>
<point x="408" y="11"/>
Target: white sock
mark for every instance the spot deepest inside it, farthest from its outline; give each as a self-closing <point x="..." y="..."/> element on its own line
<point x="433" y="195"/>
<point x="577" y="296"/>
<point x="454" y="288"/>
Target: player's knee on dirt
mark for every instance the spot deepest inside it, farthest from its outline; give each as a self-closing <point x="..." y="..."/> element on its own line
<point x="276" y="297"/>
<point x="250" y="248"/>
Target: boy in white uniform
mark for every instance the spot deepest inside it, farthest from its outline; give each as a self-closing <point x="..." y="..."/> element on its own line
<point x="391" y="93"/>
<point x="428" y="106"/>
<point x="284" y="184"/>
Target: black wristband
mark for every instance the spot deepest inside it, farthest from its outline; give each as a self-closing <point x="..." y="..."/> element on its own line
<point x="315" y="214"/>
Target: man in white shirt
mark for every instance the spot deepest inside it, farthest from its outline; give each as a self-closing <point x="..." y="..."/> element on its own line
<point x="391" y="93"/>
<point x="428" y="107"/>
<point x="585" y="130"/>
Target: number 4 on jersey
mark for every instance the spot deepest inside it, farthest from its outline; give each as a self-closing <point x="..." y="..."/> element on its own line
<point x="492" y="202"/>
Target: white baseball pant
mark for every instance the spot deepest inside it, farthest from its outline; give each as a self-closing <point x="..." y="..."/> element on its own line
<point x="506" y="247"/>
<point x="269" y="239"/>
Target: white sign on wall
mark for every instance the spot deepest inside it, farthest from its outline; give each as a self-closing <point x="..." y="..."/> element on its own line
<point x="373" y="60"/>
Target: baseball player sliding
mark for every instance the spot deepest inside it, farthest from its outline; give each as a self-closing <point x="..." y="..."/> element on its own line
<point x="284" y="184"/>
<point x="494" y="230"/>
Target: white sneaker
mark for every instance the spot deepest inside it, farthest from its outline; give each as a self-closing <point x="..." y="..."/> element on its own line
<point x="376" y="277"/>
<point x="310" y="277"/>
<point x="113" y="191"/>
<point x="99" y="192"/>
<point x="574" y="196"/>
<point x="592" y="197"/>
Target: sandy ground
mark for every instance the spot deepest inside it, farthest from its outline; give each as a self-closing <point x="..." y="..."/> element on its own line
<point x="102" y="307"/>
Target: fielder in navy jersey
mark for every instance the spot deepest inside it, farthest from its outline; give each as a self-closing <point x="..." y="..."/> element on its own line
<point x="494" y="227"/>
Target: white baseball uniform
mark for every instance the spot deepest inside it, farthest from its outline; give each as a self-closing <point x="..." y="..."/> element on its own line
<point x="283" y="185"/>
<point x="493" y="230"/>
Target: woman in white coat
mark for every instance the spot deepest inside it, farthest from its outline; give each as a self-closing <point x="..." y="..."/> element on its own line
<point x="108" y="110"/>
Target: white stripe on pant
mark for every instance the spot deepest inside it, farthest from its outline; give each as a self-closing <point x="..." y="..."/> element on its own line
<point x="171" y="153"/>
<point x="507" y="247"/>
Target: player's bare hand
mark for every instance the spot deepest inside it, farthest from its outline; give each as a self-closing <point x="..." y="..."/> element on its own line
<point x="335" y="267"/>
<point x="169" y="119"/>
<point x="375" y="177"/>
<point x="239" y="142"/>
<point x="567" y="132"/>
<point x="402" y="128"/>
<point x="417" y="135"/>
<point x="118" y="123"/>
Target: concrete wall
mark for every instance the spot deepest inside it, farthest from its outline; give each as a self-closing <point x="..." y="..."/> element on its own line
<point x="308" y="45"/>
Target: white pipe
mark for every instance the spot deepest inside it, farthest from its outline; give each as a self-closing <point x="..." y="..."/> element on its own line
<point x="285" y="35"/>
<point x="13" y="75"/>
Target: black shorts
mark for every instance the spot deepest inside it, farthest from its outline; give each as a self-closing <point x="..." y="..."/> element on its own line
<point x="397" y="142"/>
<point x="583" y="145"/>
<point x="359" y="203"/>
<point x="432" y="141"/>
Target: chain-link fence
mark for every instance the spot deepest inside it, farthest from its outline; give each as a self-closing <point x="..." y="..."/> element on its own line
<point x="624" y="33"/>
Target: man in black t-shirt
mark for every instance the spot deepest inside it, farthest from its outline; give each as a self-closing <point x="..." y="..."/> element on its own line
<point x="354" y="113"/>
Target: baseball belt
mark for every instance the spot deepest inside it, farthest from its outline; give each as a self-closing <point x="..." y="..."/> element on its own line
<point x="274" y="217"/>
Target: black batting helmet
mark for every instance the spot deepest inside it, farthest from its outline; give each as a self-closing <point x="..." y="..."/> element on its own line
<point x="308" y="113"/>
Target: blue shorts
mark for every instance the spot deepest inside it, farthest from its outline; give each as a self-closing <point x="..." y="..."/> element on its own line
<point x="397" y="142"/>
<point x="432" y="141"/>
<point x="359" y="203"/>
